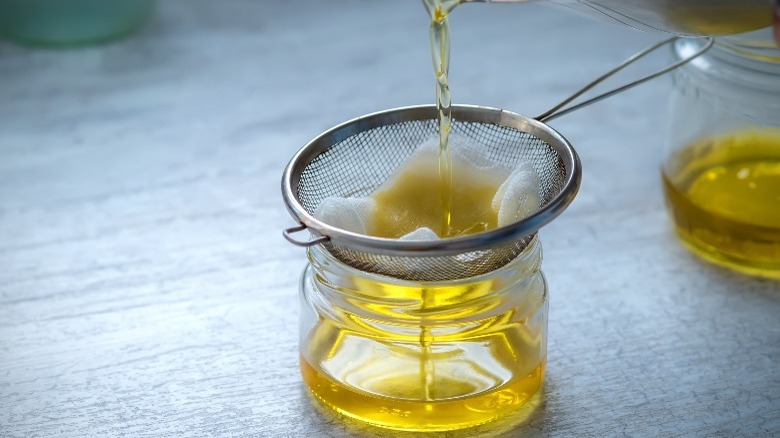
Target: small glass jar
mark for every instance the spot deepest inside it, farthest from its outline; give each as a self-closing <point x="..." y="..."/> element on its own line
<point x="721" y="167"/>
<point x="423" y="356"/>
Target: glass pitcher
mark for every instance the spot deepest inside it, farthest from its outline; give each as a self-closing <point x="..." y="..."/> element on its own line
<point x="682" y="17"/>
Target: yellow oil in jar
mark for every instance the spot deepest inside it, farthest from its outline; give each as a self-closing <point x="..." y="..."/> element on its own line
<point x="396" y="413"/>
<point x="724" y="196"/>
<point x="384" y="370"/>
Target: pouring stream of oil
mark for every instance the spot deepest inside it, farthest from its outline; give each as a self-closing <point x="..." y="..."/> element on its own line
<point x="439" y="11"/>
<point x="440" y="52"/>
<point x="436" y="375"/>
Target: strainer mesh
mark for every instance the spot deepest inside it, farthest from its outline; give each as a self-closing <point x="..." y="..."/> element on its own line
<point x="357" y="165"/>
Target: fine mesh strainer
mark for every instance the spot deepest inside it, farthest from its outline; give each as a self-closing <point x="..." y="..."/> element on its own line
<point x="353" y="159"/>
<point x="356" y="157"/>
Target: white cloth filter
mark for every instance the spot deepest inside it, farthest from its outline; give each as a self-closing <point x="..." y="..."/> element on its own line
<point x="517" y="195"/>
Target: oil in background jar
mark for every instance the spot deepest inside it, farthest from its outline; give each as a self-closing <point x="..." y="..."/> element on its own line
<point x="721" y="168"/>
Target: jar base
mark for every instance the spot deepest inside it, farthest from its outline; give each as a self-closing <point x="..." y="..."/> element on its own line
<point x="422" y="416"/>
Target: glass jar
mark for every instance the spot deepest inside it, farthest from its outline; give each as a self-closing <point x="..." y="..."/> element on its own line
<point x="423" y="356"/>
<point x="721" y="167"/>
<point x="71" y="22"/>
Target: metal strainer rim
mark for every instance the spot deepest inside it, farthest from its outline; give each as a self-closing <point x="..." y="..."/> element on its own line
<point x="433" y="248"/>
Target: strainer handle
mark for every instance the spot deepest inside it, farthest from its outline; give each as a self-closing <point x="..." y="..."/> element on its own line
<point x="288" y="235"/>
<point x="559" y="110"/>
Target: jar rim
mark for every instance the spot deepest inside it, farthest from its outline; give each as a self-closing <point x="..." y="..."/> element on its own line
<point x="534" y="246"/>
<point x="748" y="61"/>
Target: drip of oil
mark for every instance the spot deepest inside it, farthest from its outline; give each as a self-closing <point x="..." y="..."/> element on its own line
<point x="404" y="205"/>
<point x="439" y="11"/>
<point x="404" y="208"/>
<point x="724" y="196"/>
<point x="371" y="362"/>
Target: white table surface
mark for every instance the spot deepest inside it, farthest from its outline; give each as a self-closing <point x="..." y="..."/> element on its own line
<point x="146" y="290"/>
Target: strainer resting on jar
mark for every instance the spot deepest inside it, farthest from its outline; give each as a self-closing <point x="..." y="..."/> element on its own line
<point x="356" y="157"/>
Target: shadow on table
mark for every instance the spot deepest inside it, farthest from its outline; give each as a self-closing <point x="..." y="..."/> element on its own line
<point x="736" y="280"/>
<point x="528" y="417"/>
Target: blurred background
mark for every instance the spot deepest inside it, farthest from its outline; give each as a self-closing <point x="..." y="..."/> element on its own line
<point x="145" y="287"/>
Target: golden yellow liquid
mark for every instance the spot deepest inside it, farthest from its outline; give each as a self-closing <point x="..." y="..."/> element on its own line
<point x="439" y="11"/>
<point x="724" y="196"/>
<point x="477" y="358"/>
<point x="397" y="413"/>
<point x="411" y="201"/>
<point x="719" y="19"/>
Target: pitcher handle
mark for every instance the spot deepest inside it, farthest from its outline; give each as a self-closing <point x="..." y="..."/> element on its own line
<point x="560" y="110"/>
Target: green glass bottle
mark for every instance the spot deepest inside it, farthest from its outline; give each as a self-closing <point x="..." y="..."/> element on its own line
<point x="71" y="22"/>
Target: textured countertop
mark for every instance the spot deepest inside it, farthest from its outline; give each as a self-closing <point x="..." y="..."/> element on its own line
<point x="145" y="287"/>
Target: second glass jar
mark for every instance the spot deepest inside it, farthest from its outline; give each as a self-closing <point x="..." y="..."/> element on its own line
<point x="721" y="169"/>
